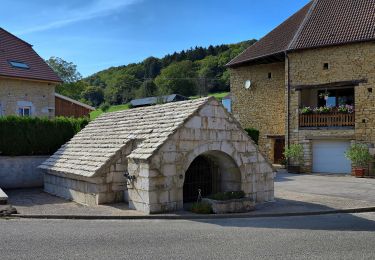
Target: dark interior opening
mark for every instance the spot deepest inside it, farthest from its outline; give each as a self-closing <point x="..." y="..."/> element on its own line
<point x="203" y="174"/>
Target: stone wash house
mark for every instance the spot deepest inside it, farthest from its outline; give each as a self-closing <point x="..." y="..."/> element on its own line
<point x="27" y="83"/>
<point x="322" y="56"/>
<point x="156" y="158"/>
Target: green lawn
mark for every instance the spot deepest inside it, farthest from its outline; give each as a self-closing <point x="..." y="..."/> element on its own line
<point x="98" y="112"/>
<point x="218" y="96"/>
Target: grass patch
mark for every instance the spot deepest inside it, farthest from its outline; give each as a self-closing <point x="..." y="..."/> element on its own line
<point x="219" y="96"/>
<point x="98" y="112"/>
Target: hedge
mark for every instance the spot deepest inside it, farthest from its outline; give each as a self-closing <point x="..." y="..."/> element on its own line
<point x="36" y="136"/>
<point x="253" y="133"/>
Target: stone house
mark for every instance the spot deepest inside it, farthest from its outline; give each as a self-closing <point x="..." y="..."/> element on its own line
<point x="157" y="157"/>
<point x="27" y="83"/>
<point x="321" y="57"/>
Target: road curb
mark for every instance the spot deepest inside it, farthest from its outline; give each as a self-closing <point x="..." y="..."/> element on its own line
<point x="193" y="217"/>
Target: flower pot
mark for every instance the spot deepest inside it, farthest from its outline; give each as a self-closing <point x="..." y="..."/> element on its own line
<point x="359" y="172"/>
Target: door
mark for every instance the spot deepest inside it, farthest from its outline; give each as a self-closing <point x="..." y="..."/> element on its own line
<point x="329" y="157"/>
<point x="278" y="152"/>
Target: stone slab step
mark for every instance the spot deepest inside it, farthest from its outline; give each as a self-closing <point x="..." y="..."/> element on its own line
<point x="3" y="197"/>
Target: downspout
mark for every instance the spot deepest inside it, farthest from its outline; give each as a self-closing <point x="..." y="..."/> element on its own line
<point x="288" y="98"/>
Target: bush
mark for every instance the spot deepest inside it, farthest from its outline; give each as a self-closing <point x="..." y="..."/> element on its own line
<point x="359" y="155"/>
<point x="253" y="133"/>
<point x="36" y="136"/>
<point x="201" y="208"/>
<point x="294" y="152"/>
<point x="105" y="106"/>
<point x="229" y="195"/>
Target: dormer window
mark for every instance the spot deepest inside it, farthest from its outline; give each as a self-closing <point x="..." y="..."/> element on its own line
<point x="19" y="65"/>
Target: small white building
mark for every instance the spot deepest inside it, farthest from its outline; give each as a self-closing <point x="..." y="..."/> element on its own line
<point x="156" y="158"/>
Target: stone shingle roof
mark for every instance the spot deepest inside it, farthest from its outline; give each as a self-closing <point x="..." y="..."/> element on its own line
<point x="320" y="23"/>
<point x="17" y="50"/>
<point x="94" y="148"/>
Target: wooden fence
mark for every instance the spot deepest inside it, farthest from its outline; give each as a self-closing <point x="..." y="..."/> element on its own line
<point x="327" y="120"/>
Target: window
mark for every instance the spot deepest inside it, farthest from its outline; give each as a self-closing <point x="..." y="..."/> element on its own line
<point x="19" y="65"/>
<point x="270" y="75"/>
<point x="336" y="97"/>
<point x="326" y="66"/>
<point x="24" y="111"/>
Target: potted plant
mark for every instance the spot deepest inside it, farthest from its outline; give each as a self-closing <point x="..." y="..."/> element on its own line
<point x="306" y="111"/>
<point x="294" y="153"/>
<point x="360" y="156"/>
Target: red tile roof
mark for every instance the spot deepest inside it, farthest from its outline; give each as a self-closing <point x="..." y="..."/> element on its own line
<point x="15" y="49"/>
<point x="319" y="23"/>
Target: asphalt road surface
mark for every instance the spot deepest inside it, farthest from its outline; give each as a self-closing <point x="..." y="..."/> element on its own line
<point x="343" y="236"/>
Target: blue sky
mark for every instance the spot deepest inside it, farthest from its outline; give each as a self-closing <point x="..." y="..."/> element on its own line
<point x="97" y="34"/>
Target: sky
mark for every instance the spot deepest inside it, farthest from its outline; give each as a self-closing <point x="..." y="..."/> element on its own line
<point x="98" y="34"/>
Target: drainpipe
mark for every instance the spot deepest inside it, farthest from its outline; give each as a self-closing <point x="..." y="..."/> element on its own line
<point x="288" y="98"/>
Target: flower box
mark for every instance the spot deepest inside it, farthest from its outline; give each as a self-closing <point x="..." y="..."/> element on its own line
<point x="231" y="206"/>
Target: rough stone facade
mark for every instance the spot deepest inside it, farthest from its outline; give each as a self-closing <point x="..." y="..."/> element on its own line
<point x="346" y="63"/>
<point x="39" y="96"/>
<point x="156" y="146"/>
<point x="263" y="105"/>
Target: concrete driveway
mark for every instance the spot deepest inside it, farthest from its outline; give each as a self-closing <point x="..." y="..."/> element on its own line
<point x="333" y="191"/>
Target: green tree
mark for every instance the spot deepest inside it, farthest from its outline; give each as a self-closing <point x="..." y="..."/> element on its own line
<point x="147" y="89"/>
<point x="94" y="95"/>
<point x="178" y="78"/>
<point x="67" y="71"/>
<point x="152" y="67"/>
<point x="121" y="89"/>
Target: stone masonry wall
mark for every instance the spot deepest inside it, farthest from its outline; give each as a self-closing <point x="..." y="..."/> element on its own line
<point x="159" y="181"/>
<point x="347" y="62"/>
<point x="41" y="97"/>
<point x="108" y="187"/>
<point x="263" y="105"/>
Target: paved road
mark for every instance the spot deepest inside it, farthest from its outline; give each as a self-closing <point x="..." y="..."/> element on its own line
<point x="318" y="237"/>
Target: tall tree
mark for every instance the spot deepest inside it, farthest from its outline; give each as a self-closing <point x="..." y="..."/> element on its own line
<point x="178" y="78"/>
<point x="94" y="95"/>
<point x="67" y="71"/>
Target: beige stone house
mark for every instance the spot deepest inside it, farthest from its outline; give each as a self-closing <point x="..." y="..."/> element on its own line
<point x="321" y="57"/>
<point x="157" y="158"/>
<point x="27" y="83"/>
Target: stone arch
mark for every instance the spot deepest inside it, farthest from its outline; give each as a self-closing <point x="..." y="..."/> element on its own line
<point x="224" y="172"/>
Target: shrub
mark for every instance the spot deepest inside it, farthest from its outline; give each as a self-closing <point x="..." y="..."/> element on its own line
<point x="359" y="155"/>
<point x="253" y="133"/>
<point x="36" y="136"/>
<point x="229" y="195"/>
<point x="201" y="208"/>
<point x="295" y="153"/>
<point x="105" y="106"/>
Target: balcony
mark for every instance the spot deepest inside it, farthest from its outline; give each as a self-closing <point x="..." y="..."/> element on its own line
<point x="333" y="119"/>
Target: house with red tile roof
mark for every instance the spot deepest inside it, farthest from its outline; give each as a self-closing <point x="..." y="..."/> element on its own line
<point x="27" y="83"/>
<point x="311" y="81"/>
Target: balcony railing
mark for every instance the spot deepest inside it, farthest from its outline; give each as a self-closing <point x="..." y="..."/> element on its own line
<point x="327" y="120"/>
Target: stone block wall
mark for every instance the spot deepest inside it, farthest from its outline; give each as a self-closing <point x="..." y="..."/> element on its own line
<point x="346" y="63"/>
<point x="212" y="132"/>
<point x="263" y="105"/>
<point x="108" y="187"/>
<point x="38" y="95"/>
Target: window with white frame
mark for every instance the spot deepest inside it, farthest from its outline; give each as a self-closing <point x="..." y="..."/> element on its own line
<point x="24" y="111"/>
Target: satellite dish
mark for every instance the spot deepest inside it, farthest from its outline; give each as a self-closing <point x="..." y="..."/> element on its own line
<point x="247" y="84"/>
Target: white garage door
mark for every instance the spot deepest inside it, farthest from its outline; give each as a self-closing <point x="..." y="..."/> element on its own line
<point x="329" y="157"/>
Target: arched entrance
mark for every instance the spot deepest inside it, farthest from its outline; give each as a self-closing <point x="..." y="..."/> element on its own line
<point x="211" y="172"/>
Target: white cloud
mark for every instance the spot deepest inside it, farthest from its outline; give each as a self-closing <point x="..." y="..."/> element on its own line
<point x="98" y="8"/>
